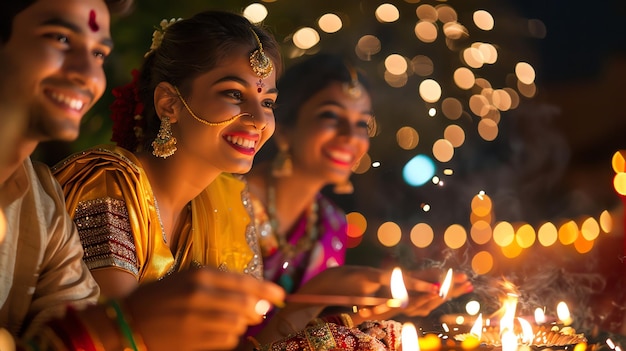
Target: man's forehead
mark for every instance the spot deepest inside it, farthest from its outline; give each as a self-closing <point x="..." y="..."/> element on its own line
<point x="92" y="14"/>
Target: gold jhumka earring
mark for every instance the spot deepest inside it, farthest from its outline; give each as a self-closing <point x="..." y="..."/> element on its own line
<point x="282" y="165"/>
<point x="344" y="188"/>
<point x="164" y="145"/>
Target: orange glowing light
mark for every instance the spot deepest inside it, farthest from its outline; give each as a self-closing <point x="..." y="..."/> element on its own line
<point x="398" y="289"/>
<point x="509" y="340"/>
<point x="477" y="328"/>
<point x="619" y="161"/>
<point x="445" y="286"/>
<point x="429" y="342"/>
<point x="540" y="316"/>
<point x="527" y="331"/>
<point x="409" y="337"/>
<point x="562" y="312"/>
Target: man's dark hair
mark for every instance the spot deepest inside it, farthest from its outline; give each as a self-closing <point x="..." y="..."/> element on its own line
<point x="10" y="8"/>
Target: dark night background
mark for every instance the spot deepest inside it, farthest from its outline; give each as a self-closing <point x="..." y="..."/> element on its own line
<point x="551" y="160"/>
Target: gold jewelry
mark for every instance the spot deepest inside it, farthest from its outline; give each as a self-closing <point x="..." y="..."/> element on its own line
<point x="260" y="63"/>
<point x="164" y="145"/>
<point x="305" y="242"/>
<point x="204" y="121"/>
<point x="352" y="88"/>
<point x="344" y="188"/>
<point x="282" y="166"/>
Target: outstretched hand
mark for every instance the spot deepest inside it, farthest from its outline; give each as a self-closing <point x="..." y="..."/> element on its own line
<point x="366" y="281"/>
<point x="206" y="308"/>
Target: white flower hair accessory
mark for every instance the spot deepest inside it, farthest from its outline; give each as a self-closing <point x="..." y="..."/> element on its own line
<point x="157" y="35"/>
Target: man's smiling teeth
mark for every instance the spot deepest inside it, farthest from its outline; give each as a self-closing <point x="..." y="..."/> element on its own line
<point x="341" y="156"/>
<point x="240" y="141"/>
<point x="74" y="104"/>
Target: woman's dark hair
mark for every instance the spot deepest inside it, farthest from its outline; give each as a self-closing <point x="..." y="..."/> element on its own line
<point x="10" y="8"/>
<point x="304" y="79"/>
<point x="194" y="46"/>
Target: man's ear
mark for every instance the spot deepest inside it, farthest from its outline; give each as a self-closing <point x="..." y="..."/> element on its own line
<point x="166" y="101"/>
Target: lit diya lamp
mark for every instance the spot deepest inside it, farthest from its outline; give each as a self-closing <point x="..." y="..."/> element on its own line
<point x="515" y="333"/>
<point x="446" y="284"/>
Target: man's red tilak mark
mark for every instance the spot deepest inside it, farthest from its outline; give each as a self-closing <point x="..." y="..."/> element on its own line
<point x="92" y="21"/>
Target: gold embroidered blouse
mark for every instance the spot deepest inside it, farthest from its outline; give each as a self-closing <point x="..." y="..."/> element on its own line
<point x="111" y="201"/>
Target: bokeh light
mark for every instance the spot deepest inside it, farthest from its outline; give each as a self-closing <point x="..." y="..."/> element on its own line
<point x="568" y="232"/>
<point x="503" y="234"/>
<point x="357" y="224"/>
<point x="480" y="232"/>
<point x="606" y="221"/>
<point x="525" y="236"/>
<point x="430" y="90"/>
<point x="306" y="38"/>
<point x="426" y="31"/>
<point x="455" y="135"/>
<point x="389" y="234"/>
<point x="525" y="73"/>
<point x="443" y="150"/>
<point x="396" y="64"/>
<point x="482" y="262"/>
<point x="407" y="138"/>
<point x="387" y="13"/>
<point x="367" y="46"/>
<point x="422" y="235"/>
<point x="590" y="229"/>
<point x="547" y="234"/>
<point x="455" y="236"/>
<point x="419" y="170"/>
<point x="363" y="165"/>
<point x="255" y="12"/>
<point x="330" y="23"/>
<point x="483" y="20"/>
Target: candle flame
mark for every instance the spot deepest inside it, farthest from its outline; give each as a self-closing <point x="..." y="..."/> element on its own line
<point x="540" y="316"/>
<point x="509" y="340"/>
<point x="445" y="286"/>
<point x="562" y="311"/>
<point x="509" y="307"/>
<point x="398" y="290"/>
<point x="527" y="331"/>
<point x="409" y="337"/>
<point x="477" y="328"/>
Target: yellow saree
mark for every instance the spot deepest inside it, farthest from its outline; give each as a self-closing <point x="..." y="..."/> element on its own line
<point x="110" y="199"/>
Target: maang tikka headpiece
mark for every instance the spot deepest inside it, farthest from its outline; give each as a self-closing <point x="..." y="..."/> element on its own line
<point x="260" y="63"/>
<point x="352" y="88"/>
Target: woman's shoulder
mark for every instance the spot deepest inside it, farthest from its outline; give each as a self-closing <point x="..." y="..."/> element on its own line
<point x="103" y="156"/>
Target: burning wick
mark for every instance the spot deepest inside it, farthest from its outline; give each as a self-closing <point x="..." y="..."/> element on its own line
<point x="563" y="313"/>
<point x="477" y="328"/>
<point x="409" y="337"/>
<point x="398" y="290"/>
<point x="445" y="286"/>
<point x="540" y="316"/>
<point x="262" y="307"/>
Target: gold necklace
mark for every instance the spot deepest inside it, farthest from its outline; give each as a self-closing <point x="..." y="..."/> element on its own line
<point x="305" y="242"/>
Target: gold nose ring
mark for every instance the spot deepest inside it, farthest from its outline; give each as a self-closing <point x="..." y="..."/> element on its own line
<point x="254" y="124"/>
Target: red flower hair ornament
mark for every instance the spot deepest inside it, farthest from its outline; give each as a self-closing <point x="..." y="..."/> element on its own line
<point x="126" y="113"/>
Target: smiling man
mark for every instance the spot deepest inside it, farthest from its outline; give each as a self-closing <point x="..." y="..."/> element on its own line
<point x="51" y="57"/>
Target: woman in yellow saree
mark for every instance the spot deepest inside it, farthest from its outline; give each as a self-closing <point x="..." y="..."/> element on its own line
<point x="161" y="201"/>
